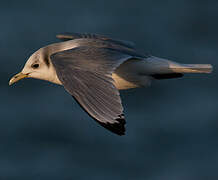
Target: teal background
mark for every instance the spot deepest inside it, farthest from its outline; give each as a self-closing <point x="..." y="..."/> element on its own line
<point x="172" y="126"/>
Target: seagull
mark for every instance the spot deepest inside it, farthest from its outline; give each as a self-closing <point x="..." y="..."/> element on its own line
<point x="93" y="68"/>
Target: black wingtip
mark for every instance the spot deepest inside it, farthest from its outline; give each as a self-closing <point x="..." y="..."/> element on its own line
<point x="117" y="128"/>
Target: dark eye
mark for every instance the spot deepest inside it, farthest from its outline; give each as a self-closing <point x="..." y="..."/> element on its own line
<point x="34" y="66"/>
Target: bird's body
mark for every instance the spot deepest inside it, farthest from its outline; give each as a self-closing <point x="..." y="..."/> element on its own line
<point x="92" y="68"/>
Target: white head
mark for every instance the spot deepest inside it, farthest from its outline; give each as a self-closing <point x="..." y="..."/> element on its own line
<point x="38" y="66"/>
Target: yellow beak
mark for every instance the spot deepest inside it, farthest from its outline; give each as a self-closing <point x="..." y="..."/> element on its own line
<point x="17" y="77"/>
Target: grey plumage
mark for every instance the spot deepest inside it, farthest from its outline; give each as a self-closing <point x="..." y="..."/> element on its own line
<point x="71" y="36"/>
<point x="92" y="68"/>
<point x="86" y="73"/>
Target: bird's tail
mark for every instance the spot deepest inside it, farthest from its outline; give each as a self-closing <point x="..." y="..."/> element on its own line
<point x="160" y="68"/>
<point x="156" y="65"/>
<point x="191" y="68"/>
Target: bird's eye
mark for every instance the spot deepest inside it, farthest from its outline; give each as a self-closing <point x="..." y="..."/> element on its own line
<point x="34" y="66"/>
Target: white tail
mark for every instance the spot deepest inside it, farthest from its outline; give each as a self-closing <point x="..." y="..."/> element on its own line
<point x="191" y="68"/>
<point x="155" y="65"/>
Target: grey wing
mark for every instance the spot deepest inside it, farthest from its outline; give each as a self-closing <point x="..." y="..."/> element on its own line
<point x="70" y="36"/>
<point x="86" y="74"/>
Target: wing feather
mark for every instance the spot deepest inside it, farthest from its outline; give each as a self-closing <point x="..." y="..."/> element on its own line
<point x="70" y="36"/>
<point x="85" y="73"/>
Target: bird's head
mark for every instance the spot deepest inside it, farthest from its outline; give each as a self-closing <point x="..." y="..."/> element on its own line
<point x="38" y="66"/>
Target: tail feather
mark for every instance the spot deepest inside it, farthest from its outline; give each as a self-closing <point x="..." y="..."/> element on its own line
<point x="191" y="68"/>
<point x="155" y="65"/>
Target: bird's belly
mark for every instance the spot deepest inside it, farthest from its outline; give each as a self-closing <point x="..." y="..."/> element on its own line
<point x="129" y="75"/>
<point x="120" y="83"/>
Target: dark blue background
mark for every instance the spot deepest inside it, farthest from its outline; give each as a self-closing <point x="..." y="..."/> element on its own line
<point x="172" y="126"/>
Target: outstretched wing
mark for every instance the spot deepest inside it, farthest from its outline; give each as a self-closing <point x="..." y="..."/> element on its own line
<point x="85" y="73"/>
<point x="70" y="36"/>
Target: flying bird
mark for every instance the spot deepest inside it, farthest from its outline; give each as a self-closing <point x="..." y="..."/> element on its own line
<point x="93" y="68"/>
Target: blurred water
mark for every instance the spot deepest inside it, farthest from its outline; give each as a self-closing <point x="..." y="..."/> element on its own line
<point x="171" y="126"/>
